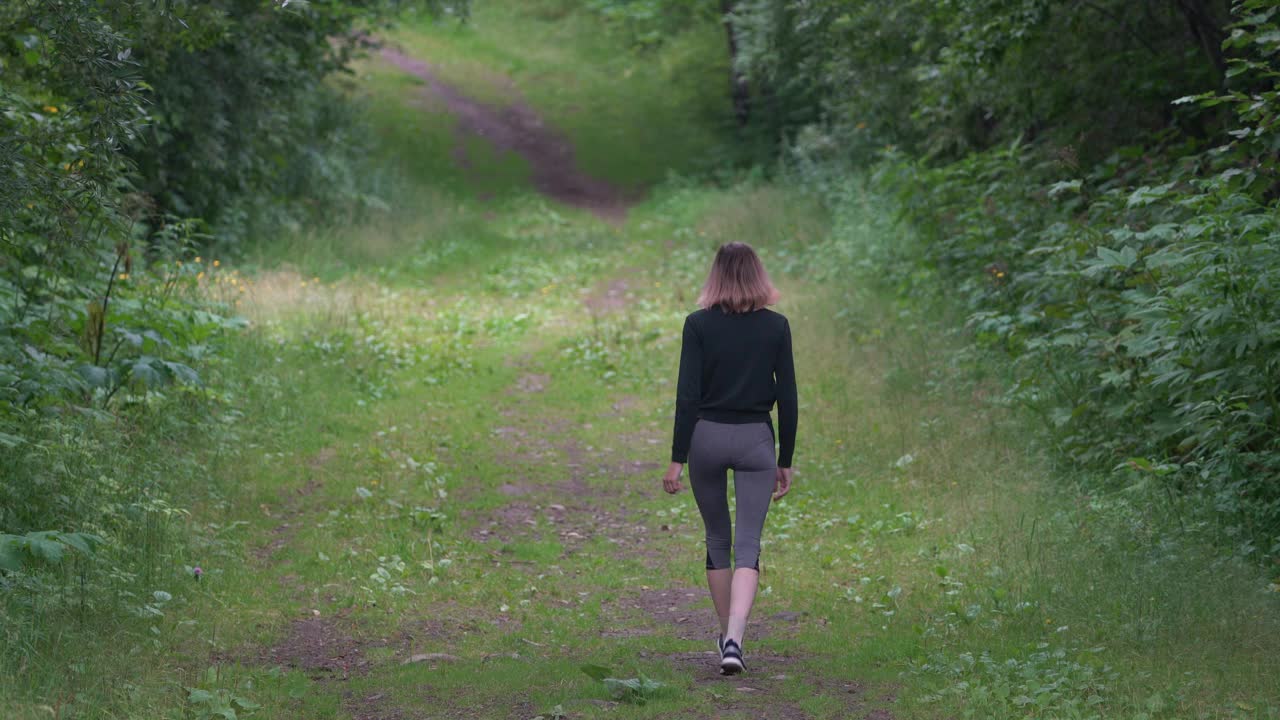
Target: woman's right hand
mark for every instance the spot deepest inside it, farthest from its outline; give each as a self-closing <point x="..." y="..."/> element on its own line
<point x="782" y="483"/>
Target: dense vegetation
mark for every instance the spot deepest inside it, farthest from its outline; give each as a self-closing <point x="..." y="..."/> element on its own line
<point x="1097" y="183"/>
<point x="1089" y="188"/>
<point x="135" y="139"/>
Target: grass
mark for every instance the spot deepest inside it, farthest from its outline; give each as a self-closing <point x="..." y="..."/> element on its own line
<point x="445" y="445"/>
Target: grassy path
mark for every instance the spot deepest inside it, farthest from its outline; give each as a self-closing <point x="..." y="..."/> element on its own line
<point x="466" y="508"/>
<point x="446" y="495"/>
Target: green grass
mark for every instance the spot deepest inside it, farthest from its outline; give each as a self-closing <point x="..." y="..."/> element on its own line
<point x="588" y="86"/>
<point x="407" y="422"/>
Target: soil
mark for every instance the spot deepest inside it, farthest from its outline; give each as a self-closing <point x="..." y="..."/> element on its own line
<point x="321" y="646"/>
<point x="520" y="129"/>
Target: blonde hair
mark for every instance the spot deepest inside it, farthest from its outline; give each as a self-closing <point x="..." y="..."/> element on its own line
<point x="737" y="282"/>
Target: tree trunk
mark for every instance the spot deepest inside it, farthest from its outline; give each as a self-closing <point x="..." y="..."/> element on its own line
<point x="1207" y="30"/>
<point x="741" y="88"/>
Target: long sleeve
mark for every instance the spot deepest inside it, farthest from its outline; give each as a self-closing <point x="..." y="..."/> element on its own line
<point x="688" y="392"/>
<point x="788" y="404"/>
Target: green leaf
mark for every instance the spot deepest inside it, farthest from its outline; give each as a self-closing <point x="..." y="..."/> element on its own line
<point x="144" y="372"/>
<point x="94" y="376"/>
<point x="596" y="672"/>
<point x="1146" y="195"/>
<point x="42" y="548"/>
<point x="183" y="373"/>
<point x="202" y="697"/>
<point x="10" y="557"/>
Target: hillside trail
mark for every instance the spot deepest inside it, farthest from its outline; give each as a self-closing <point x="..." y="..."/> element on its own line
<point x="564" y="550"/>
<point x="518" y="128"/>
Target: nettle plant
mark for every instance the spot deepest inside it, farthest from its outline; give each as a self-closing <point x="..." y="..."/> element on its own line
<point x="1139" y="296"/>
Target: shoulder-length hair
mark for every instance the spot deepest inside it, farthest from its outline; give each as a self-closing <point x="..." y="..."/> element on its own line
<point x="737" y="282"/>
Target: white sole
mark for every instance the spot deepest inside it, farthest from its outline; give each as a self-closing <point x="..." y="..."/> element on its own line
<point x="730" y="666"/>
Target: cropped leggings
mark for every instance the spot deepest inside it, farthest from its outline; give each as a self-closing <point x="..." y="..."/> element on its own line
<point x="747" y="449"/>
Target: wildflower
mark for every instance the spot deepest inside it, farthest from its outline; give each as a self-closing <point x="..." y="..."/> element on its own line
<point x="216" y="263"/>
<point x="200" y="275"/>
<point x="51" y="109"/>
<point x="198" y="259"/>
<point x="197" y="572"/>
<point x="178" y="262"/>
<point x="124" y="276"/>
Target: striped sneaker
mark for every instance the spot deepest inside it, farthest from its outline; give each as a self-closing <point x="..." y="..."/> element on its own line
<point x="731" y="659"/>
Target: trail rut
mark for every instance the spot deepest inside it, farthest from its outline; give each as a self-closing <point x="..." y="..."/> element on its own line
<point x="520" y="129"/>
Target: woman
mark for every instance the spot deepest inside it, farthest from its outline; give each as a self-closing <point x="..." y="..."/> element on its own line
<point x="735" y="362"/>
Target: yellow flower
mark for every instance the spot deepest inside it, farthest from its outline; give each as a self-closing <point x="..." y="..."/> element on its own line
<point x="216" y="263"/>
<point x="124" y="276"/>
<point x="178" y="262"/>
<point x="315" y="280"/>
<point x="200" y="275"/>
<point x="66" y="166"/>
<point x="198" y="259"/>
<point x="50" y="108"/>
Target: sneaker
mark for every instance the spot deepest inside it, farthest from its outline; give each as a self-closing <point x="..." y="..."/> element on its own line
<point x="731" y="659"/>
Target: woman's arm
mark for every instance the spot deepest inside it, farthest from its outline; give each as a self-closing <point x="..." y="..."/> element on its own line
<point x="784" y="375"/>
<point x="688" y="392"/>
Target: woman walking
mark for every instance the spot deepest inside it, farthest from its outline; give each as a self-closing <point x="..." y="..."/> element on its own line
<point x="735" y="363"/>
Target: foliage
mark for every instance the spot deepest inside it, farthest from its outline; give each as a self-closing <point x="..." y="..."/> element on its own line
<point x="649" y="23"/>
<point x="945" y="78"/>
<point x="134" y="136"/>
<point x="1136" y="288"/>
<point x="46" y="546"/>
<point x="637" y="690"/>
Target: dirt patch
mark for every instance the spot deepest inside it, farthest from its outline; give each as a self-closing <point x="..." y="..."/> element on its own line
<point x="323" y="647"/>
<point x="323" y="457"/>
<point x="573" y="525"/>
<point x="608" y="297"/>
<point x="507" y="523"/>
<point x="373" y="706"/>
<point x="685" y="613"/>
<point x="518" y="128"/>
<point x="532" y="382"/>
<point x="622" y="406"/>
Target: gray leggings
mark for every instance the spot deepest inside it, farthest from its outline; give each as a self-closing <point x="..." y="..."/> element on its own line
<point x="746" y="449"/>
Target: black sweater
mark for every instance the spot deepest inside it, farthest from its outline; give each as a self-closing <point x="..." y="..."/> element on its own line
<point x="733" y="366"/>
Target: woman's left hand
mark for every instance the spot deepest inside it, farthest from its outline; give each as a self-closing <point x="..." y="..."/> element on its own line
<point x="671" y="481"/>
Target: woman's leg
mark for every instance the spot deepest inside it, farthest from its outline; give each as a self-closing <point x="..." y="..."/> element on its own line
<point x="753" y="480"/>
<point x="709" y="480"/>
<point x="719" y="582"/>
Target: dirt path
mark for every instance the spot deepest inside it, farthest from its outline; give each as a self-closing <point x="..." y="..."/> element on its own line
<point x="518" y="128"/>
<point x="530" y="537"/>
